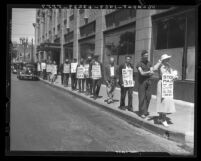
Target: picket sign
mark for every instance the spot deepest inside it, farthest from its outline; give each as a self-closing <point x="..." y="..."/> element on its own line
<point x="66" y="68"/>
<point x="43" y="65"/>
<point x="80" y="72"/>
<point x="167" y="85"/>
<point x="86" y="70"/>
<point x="73" y="67"/>
<point x="48" y="68"/>
<point x="127" y="75"/>
<point x="54" y="69"/>
<point x="96" y="71"/>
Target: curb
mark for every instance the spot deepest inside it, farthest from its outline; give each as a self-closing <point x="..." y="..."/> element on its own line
<point x="176" y="136"/>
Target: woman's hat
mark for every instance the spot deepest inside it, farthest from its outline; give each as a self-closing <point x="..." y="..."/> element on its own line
<point x="165" y="56"/>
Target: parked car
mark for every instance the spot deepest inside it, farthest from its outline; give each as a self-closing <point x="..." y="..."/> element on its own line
<point x="14" y="68"/>
<point x="27" y="71"/>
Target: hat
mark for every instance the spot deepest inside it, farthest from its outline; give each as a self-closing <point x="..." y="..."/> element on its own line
<point x="165" y="56"/>
<point x="66" y="60"/>
<point x="144" y="52"/>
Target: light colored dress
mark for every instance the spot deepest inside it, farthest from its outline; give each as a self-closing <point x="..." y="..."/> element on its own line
<point x="164" y="105"/>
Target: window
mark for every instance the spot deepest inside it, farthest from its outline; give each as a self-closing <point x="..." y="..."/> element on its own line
<point x="170" y="33"/>
<point x="175" y="35"/>
<point x="120" y="43"/>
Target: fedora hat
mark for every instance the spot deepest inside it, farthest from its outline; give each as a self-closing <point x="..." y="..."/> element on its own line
<point x="165" y="56"/>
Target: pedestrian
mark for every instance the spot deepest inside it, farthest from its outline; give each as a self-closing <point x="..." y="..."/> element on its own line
<point x="66" y="71"/>
<point x="54" y="72"/>
<point x="43" y="66"/>
<point x="144" y="84"/>
<point x="96" y="73"/>
<point x="88" y="79"/>
<point x="165" y="104"/>
<point x="126" y="82"/>
<point x="61" y="72"/>
<point x="80" y="75"/>
<point x="111" y="79"/>
<point x="73" y="68"/>
<point x="38" y="68"/>
<point x="49" y="69"/>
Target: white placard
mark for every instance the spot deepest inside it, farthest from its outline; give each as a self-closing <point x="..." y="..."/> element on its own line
<point x="167" y="85"/>
<point x="54" y="69"/>
<point x="39" y="67"/>
<point x="66" y="68"/>
<point x="96" y="71"/>
<point x="48" y="68"/>
<point x="80" y="72"/>
<point x="73" y="67"/>
<point x="127" y="75"/>
<point x="43" y="65"/>
<point x="86" y="70"/>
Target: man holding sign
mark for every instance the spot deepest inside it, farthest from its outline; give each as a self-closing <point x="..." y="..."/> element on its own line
<point x="66" y="72"/>
<point x="80" y="75"/>
<point x="96" y="73"/>
<point x="88" y="79"/>
<point x="126" y="82"/>
<point x="73" y="67"/>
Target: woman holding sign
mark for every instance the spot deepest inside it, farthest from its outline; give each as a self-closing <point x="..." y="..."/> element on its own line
<point x="54" y="72"/>
<point x="80" y="75"/>
<point x="165" y="102"/>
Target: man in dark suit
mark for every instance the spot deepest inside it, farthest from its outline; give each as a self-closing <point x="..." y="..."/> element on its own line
<point x="126" y="85"/>
<point x="96" y="73"/>
<point x="110" y="76"/>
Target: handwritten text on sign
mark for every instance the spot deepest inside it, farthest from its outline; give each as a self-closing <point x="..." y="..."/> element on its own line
<point x="86" y="70"/>
<point x="54" y="69"/>
<point x="73" y="67"/>
<point x="49" y="68"/>
<point x="80" y="72"/>
<point x="127" y="75"/>
<point x="167" y="85"/>
<point x="96" y="71"/>
<point x="66" y="68"/>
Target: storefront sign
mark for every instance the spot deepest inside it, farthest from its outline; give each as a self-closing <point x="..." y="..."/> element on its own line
<point x="73" y="67"/>
<point x="66" y="68"/>
<point x="86" y="70"/>
<point x="167" y="85"/>
<point x="96" y="71"/>
<point x="80" y="72"/>
<point x="127" y="75"/>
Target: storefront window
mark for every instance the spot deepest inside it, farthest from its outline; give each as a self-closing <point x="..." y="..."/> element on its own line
<point x="119" y="43"/>
<point x="68" y="52"/>
<point x="86" y="47"/>
<point x="175" y="35"/>
<point x="190" y="68"/>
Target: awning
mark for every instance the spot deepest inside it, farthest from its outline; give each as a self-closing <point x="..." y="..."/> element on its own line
<point x="49" y="46"/>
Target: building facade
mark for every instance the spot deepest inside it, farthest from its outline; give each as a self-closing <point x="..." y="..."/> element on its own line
<point x="75" y="33"/>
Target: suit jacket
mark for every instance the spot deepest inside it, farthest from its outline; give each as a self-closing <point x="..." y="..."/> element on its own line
<point x="107" y="72"/>
<point x="90" y="68"/>
<point x="123" y="66"/>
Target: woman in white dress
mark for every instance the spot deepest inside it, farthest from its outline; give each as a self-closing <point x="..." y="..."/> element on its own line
<point x="164" y="105"/>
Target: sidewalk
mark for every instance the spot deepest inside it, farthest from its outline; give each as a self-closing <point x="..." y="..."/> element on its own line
<point x="181" y="130"/>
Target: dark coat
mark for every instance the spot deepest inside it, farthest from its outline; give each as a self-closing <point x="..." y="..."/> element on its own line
<point x="123" y="66"/>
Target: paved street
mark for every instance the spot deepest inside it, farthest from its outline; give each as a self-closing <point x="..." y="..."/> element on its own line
<point x="45" y="118"/>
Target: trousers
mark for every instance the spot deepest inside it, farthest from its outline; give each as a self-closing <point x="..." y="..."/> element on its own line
<point x="96" y="87"/>
<point x="124" y="90"/>
<point x="81" y="84"/>
<point x="89" y="85"/>
<point x="66" y="79"/>
<point x="73" y="81"/>
<point x="144" y="96"/>
<point x="110" y="88"/>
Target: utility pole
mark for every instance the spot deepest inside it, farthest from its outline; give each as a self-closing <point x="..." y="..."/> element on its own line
<point x="32" y="50"/>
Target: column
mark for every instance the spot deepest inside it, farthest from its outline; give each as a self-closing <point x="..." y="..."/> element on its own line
<point x="100" y="26"/>
<point x="62" y="38"/>
<point x="76" y="34"/>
